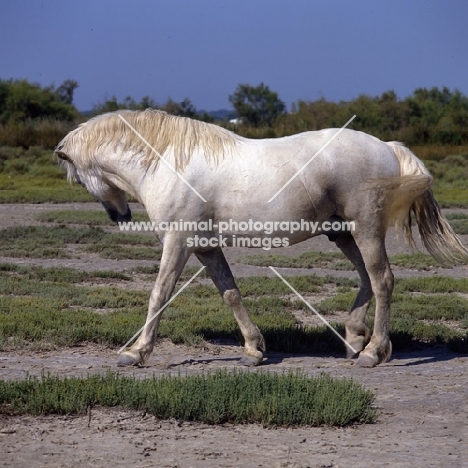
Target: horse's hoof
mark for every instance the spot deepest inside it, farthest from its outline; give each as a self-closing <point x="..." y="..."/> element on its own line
<point x="366" y="361"/>
<point x="126" y="361"/>
<point x="250" y="361"/>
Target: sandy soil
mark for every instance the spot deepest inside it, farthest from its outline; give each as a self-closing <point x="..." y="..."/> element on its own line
<point x="422" y="399"/>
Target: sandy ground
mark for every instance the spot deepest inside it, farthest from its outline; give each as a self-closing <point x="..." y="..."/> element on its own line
<point x="422" y="398"/>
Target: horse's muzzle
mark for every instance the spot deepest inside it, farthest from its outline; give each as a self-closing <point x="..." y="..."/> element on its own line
<point x="115" y="215"/>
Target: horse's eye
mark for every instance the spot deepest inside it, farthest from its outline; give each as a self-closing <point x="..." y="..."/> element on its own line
<point x="63" y="156"/>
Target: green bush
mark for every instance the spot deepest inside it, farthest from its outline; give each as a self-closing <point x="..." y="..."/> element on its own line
<point x="237" y="397"/>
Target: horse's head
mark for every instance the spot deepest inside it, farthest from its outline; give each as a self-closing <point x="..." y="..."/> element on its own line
<point x="112" y="198"/>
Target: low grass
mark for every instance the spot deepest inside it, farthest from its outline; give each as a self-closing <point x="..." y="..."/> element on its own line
<point x="459" y="222"/>
<point x="52" y="314"/>
<point x="49" y="307"/>
<point x="48" y="323"/>
<point x="45" y="242"/>
<point x="32" y="176"/>
<point x="431" y="285"/>
<point x="330" y="260"/>
<point x="336" y="261"/>
<point x="265" y="285"/>
<point x="451" y="197"/>
<point x="420" y="317"/>
<point x="438" y="307"/>
<point x="57" y="275"/>
<point x="33" y="189"/>
<point x="450" y="180"/>
<point x="289" y="399"/>
<point x="422" y="307"/>
<point x="52" y="241"/>
<point x="124" y="252"/>
<point x="456" y="216"/>
<point x="415" y="261"/>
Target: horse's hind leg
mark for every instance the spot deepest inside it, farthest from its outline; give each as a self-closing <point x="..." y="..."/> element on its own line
<point x="371" y="244"/>
<point x="357" y="333"/>
<point x="219" y="271"/>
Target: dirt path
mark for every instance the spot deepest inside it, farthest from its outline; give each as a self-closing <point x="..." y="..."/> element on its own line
<point x="422" y="399"/>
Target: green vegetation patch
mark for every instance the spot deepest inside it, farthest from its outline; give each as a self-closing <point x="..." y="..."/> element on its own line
<point x="336" y="261"/>
<point x="32" y="176"/>
<point x="264" y="285"/>
<point x="451" y="197"/>
<point x="288" y="399"/>
<point x="421" y="317"/>
<point x="430" y="299"/>
<point x="430" y="306"/>
<point x="45" y="242"/>
<point x="331" y="260"/>
<point x="57" y="274"/>
<point x="450" y="180"/>
<point x="47" y="323"/>
<point x="38" y="306"/>
<point x="35" y="189"/>
<point x="119" y="252"/>
<point x="414" y="261"/>
<point x="459" y="222"/>
<point x="51" y="242"/>
<point x="47" y="308"/>
<point x="432" y="284"/>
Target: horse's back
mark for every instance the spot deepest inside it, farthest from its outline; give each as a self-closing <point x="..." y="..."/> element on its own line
<point x="324" y="149"/>
<point x="321" y="172"/>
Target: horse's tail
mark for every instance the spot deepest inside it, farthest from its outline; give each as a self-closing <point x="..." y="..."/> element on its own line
<point x="412" y="194"/>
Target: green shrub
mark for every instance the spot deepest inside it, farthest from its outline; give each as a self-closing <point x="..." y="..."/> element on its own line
<point x="287" y="399"/>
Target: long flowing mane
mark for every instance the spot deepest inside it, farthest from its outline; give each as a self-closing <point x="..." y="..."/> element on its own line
<point x="162" y="132"/>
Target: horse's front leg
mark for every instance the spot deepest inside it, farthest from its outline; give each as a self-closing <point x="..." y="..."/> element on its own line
<point x="174" y="257"/>
<point x="219" y="271"/>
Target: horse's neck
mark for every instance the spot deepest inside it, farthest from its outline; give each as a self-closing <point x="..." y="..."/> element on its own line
<point x="124" y="174"/>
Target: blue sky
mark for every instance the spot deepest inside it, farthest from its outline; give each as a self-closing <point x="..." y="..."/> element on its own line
<point x="202" y="49"/>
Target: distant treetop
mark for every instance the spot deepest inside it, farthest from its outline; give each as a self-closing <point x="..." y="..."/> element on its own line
<point x="21" y="101"/>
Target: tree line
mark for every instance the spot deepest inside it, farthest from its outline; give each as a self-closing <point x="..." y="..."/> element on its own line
<point x="34" y="115"/>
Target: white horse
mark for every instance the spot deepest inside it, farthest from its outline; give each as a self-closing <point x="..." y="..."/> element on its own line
<point x="181" y="169"/>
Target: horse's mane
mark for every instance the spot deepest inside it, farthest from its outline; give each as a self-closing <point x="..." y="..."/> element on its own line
<point x="163" y="132"/>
